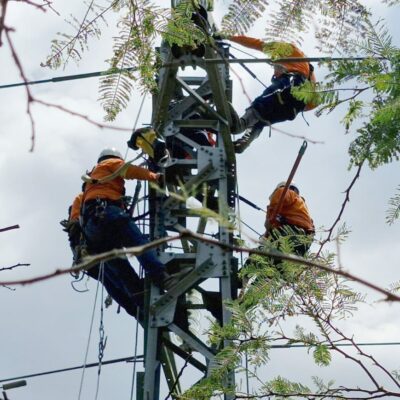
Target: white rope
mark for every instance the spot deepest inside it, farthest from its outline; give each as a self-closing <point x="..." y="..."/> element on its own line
<point x="102" y="342"/>
<point x="89" y="338"/>
<point x="136" y="121"/>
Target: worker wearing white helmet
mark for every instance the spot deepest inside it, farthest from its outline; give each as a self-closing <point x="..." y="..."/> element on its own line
<point x="106" y="223"/>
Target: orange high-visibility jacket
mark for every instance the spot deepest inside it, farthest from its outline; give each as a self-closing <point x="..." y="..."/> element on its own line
<point x="114" y="188"/>
<point x="301" y="67"/>
<point x="76" y="207"/>
<point x="294" y="210"/>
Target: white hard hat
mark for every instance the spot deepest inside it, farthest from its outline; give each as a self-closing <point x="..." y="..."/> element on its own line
<point x="292" y="186"/>
<point x="109" y="152"/>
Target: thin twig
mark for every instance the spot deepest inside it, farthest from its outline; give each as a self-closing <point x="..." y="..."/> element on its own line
<point x="14" y="266"/>
<point x="297" y="136"/>
<point x="346" y="200"/>
<point x="8" y="228"/>
<point x="84" y="117"/>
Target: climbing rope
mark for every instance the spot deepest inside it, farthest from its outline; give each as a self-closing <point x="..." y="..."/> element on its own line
<point x="102" y="337"/>
<point x="89" y="336"/>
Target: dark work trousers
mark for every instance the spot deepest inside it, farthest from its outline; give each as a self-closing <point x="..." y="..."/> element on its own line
<point x="277" y="104"/>
<point x="113" y="228"/>
<point x="122" y="284"/>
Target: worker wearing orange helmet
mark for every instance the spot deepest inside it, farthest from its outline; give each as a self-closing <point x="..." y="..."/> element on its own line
<point x="276" y="103"/>
<point x="289" y="216"/>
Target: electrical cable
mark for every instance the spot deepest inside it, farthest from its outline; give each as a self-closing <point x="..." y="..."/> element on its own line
<point x="136" y="342"/>
<point x="242" y="51"/>
<point x="89" y="338"/>
<point x="68" y="77"/>
<point x="90" y="365"/>
<point x="250" y="203"/>
<point x="206" y="61"/>
<point x="141" y="357"/>
<point x="250" y="72"/>
<point x="248" y="226"/>
<point x="242" y="264"/>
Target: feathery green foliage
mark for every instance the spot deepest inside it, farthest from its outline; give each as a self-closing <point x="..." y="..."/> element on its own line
<point x="140" y="25"/>
<point x="68" y="46"/>
<point x="394" y="211"/>
<point x="274" y="292"/>
<point x="242" y="15"/>
<point x="378" y="139"/>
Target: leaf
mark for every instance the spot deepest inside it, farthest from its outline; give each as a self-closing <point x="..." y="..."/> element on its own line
<point x="393" y="212"/>
<point x="322" y="355"/>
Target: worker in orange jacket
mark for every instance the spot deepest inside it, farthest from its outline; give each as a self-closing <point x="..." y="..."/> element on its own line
<point x="276" y="103"/>
<point x="291" y="220"/>
<point x="119" y="278"/>
<point x="106" y="223"/>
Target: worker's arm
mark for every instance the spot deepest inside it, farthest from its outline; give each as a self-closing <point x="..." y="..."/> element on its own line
<point x="282" y="48"/>
<point x="135" y="172"/>
<point x="76" y="207"/>
<point x="246" y="41"/>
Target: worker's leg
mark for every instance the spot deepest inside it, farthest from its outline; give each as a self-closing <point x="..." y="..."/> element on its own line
<point x="122" y="284"/>
<point x="114" y="229"/>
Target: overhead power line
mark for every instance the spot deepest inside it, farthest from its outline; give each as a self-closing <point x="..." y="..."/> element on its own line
<point x="289" y="346"/>
<point x="56" y="371"/>
<point x="140" y="359"/>
<point x="69" y="77"/>
<point x="177" y="63"/>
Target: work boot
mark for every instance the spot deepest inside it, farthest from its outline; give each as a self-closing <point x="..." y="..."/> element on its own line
<point x="244" y="142"/>
<point x="238" y="124"/>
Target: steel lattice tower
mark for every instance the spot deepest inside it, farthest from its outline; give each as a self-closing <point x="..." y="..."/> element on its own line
<point x="183" y="106"/>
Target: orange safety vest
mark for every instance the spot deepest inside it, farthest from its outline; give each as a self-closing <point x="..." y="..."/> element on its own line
<point x="294" y="210"/>
<point x="115" y="188"/>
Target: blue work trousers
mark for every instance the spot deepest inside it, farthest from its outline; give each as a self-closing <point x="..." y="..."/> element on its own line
<point x="110" y="228"/>
<point x="276" y="103"/>
<point x="122" y="284"/>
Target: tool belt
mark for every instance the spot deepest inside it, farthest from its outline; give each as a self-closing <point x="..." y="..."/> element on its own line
<point x="96" y="207"/>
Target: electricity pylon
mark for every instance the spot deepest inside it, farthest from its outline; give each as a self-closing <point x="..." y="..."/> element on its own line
<point x="187" y="111"/>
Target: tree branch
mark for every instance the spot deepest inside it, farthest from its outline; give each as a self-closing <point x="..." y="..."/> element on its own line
<point x="90" y="261"/>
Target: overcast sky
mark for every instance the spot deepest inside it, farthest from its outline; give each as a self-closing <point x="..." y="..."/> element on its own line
<point x="45" y="326"/>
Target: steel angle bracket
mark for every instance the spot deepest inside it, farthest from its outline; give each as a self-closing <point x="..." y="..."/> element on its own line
<point x="167" y="257"/>
<point x="193" y="342"/>
<point x="175" y="161"/>
<point x="190" y="185"/>
<point x="165" y="93"/>
<point x="163" y="308"/>
<point x="203" y="90"/>
<point x="200" y="100"/>
<point x="215" y="156"/>
<point x="197" y="123"/>
<point x="184" y="355"/>
<point x="217" y="257"/>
